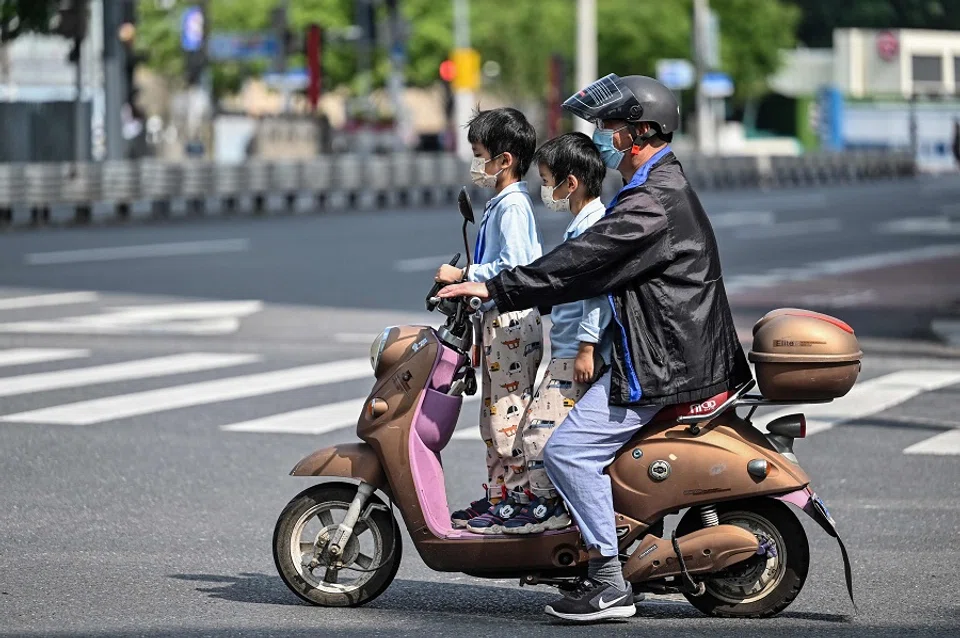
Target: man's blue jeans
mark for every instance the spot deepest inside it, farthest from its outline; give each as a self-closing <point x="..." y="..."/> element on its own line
<point x="578" y="452"/>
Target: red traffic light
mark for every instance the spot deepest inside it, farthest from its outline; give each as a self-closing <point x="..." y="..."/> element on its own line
<point x="448" y="70"/>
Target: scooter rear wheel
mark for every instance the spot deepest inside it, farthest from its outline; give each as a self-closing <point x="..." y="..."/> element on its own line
<point x="759" y="587"/>
<point x="370" y="558"/>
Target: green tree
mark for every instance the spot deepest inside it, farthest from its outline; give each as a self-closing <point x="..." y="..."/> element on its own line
<point x="520" y="35"/>
<point x="22" y="16"/>
<point x="821" y="17"/>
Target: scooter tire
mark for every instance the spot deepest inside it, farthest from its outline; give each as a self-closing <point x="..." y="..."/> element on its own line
<point x="795" y="546"/>
<point x="340" y="493"/>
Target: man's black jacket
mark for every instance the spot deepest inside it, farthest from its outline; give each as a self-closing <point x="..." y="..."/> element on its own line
<point x="655" y="255"/>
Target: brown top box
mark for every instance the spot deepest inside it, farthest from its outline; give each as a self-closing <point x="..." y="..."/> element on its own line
<point x="793" y="335"/>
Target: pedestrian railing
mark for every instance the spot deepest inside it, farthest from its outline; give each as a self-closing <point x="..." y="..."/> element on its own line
<point x="50" y="193"/>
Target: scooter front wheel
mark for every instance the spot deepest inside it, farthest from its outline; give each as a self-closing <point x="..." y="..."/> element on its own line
<point x="367" y="563"/>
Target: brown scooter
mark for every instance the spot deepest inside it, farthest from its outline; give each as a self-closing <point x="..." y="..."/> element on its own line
<point x="737" y="551"/>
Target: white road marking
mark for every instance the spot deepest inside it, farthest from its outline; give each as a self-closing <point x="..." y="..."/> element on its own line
<point x="355" y="337"/>
<point x="867" y="398"/>
<point x="115" y="253"/>
<point x="195" y="318"/>
<point x="790" y="229"/>
<point x="421" y="264"/>
<point x="25" y="356"/>
<point x="815" y="270"/>
<point x="138" y="403"/>
<point x="939" y="226"/>
<point x="54" y="299"/>
<point x="139" y="369"/>
<point x="736" y="219"/>
<point x="318" y="420"/>
<point x="943" y="444"/>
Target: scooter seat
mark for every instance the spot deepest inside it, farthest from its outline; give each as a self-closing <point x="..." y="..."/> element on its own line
<point x="674" y="412"/>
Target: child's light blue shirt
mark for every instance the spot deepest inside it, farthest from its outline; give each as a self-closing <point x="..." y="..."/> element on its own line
<point x="581" y="320"/>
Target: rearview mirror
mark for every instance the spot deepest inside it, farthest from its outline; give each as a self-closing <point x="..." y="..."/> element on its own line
<point x="463" y="201"/>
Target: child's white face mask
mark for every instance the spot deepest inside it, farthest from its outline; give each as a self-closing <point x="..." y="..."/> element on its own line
<point x="479" y="174"/>
<point x="556" y="205"/>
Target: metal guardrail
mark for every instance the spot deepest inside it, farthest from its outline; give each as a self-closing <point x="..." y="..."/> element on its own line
<point x="68" y="193"/>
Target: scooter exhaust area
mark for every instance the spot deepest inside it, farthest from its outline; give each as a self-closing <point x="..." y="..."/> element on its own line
<point x="704" y="551"/>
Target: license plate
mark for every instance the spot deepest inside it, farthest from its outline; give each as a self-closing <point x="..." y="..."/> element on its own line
<point x="819" y="504"/>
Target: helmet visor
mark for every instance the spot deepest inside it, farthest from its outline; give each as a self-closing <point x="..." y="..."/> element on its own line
<point x="606" y="99"/>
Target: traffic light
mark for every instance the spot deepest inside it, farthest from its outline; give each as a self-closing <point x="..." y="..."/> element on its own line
<point x="448" y="70"/>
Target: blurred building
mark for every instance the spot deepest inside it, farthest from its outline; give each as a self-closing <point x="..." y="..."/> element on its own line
<point x="878" y="89"/>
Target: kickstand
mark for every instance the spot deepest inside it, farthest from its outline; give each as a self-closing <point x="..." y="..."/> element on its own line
<point x="693" y="588"/>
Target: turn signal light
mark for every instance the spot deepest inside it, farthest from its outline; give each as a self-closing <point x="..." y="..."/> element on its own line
<point x="793" y="426"/>
<point x="376" y="408"/>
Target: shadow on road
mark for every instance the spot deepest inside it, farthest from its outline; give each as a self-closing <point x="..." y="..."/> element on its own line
<point x="244" y="588"/>
<point x="462" y="599"/>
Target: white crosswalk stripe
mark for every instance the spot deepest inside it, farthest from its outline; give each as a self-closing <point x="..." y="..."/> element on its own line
<point x="869" y="397"/>
<point x="27" y="356"/>
<point x="54" y="299"/>
<point x="193" y="394"/>
<point x="141" y="369"/>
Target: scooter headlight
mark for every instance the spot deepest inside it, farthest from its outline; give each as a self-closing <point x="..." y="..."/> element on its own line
<point x="376" y="349"/>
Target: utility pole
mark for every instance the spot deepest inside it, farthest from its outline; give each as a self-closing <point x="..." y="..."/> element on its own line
<point x="398" y="37"/>
<point x="701" y="12"/>
<point x="463" y="98"/>
<point x="586" y="53"/>
<point x="114" y="89"/>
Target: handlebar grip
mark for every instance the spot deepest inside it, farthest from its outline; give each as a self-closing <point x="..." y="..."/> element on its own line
<point x="431" y="306"/>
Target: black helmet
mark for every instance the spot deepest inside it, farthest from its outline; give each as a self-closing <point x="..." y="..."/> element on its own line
<point x="635" y="98"/>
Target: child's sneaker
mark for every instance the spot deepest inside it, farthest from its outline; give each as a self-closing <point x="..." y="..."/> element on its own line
<point x="539" y="516"/>
<point x="460" y="518"/>
<point x="492" y="521"/>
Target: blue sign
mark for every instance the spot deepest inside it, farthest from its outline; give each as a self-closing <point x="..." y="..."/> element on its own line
<point x="242" y="46"/>
<point x="830" y="102"/>
<point x="716" y="85"/>
<point x="293" y="79"/>
<point x="676" y="75"/>
<point x="191" y="29"/>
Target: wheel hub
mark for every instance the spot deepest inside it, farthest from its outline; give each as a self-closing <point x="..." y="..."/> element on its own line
<point x="324" y="557"/>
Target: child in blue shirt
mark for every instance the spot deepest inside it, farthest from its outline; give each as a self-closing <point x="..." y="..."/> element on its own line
<point x="572" y="172"/>
<point x="503" y="143"/>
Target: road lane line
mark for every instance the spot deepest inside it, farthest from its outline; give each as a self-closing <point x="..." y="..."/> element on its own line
<point x="114" y="253"/>
<point x="737" y="219"/>
<point x="421" y="264"/>
<point x="867" y="398"/>
<point x="943" y="444"/>
<point x="815" y="270"/>
<point x="40" y="301"/>
<point x="192" y="394"/>
<point x="26" y="356"/>
<point x="111" y="372"/>
<point x="318" y="420"/>
<point x="790" y="229"/>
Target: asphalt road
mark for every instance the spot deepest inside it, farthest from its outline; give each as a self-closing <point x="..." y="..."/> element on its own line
<point x="143" y="395"/>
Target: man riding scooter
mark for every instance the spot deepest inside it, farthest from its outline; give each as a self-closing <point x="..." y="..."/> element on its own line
<point x="655" y="255"/>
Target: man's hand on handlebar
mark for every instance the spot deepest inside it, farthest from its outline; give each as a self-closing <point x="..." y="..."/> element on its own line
<point x="469" y="289"/>
<point x="448" y="274"/>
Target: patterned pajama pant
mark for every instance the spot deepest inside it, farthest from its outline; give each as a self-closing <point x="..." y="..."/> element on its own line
<point x="512" y="349"/>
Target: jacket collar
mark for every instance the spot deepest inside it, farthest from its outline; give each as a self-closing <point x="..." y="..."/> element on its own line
<point x="640" y="177"/>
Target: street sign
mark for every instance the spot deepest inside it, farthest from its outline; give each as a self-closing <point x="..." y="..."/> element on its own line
<point x="293" y="80"/>
<point x="716" y="85"/>
<point x="242" y="46"/>
<point x="191" y="29"/>
<point x="888" y="45"/>
<point x="676" y="75"/>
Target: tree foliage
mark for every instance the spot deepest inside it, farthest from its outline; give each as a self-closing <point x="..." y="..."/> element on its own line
<point x="821" y="17"/>
<point x="22" y="16"/>
<point x="520" y="35"/>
